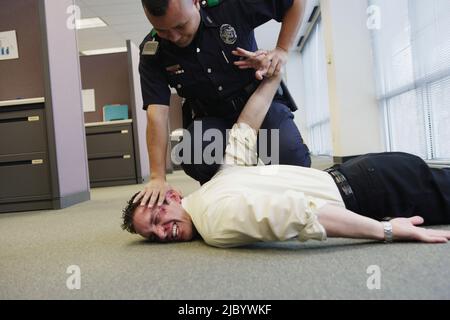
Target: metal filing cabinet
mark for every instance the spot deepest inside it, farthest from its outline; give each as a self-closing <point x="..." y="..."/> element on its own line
<point x="110" y="148"/>
<point x="24" y="161"/>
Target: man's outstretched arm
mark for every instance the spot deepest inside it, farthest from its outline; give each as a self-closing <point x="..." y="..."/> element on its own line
<point x="341" y="223"/>
<point x="242" y="142"/>
<point x="259" y="103"/>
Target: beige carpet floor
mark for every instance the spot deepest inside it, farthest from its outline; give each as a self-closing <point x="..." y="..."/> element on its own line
<point x="36" y="248"/>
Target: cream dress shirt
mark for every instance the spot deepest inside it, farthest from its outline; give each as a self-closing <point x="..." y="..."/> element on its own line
<point x="246" y="202"/>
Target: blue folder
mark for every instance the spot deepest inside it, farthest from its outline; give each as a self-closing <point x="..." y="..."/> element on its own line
<point x="115" y="112"/>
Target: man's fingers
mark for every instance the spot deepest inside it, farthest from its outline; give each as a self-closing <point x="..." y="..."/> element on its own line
<point x="416" y="220"/>
<point x="245" y="53"/>
<point x="440" y="233"/>
<point x="242" y="63"/>
<point x="259" y="75"/>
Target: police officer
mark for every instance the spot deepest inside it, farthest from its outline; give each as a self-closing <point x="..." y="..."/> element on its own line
<point x="193" y="49"/>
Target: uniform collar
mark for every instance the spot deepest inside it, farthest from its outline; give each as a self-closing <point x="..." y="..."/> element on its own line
<point x="207" y="20"/>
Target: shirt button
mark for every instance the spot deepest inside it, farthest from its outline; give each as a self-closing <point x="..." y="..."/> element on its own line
<point x="179" y="86"/>
<point x="198" y="50"/>
<point x="220" y="88"/>
<point x="209" y="70"/>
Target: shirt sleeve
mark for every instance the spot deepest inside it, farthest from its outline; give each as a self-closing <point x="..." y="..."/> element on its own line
<point x="258" y="12"/>
<point x="248" y="218"/>
<point x="241" y="149"/>
<point x="154" y="85"/>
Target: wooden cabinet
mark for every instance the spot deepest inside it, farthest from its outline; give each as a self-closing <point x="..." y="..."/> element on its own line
<point x="110" y="148"/>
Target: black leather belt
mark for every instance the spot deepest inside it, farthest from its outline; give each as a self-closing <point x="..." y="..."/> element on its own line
<point x="345" y="189"/>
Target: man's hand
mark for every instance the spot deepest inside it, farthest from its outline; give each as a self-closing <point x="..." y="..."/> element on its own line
<point x="404" y="229"/>
<point x="154" y="192"/>
<point x="266" y="63"/>
<point x="255" y="60"/>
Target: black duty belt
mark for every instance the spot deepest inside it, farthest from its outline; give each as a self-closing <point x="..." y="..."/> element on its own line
<point x="227" y="107"/>
<point x="345" y="189"/>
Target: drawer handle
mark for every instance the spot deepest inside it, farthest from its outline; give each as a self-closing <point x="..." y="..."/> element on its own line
<point x="127" y="156"/>
<point x="124" y="131"/>
<point x="33" y="118"/>
<point x="37" y="161"/>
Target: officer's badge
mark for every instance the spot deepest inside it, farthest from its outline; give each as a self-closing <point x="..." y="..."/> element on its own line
<point x="228" y="34"/>
<point x="150" y="48"/>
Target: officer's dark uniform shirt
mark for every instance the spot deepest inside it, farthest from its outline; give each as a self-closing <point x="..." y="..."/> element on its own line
<point x="204" y="70"/>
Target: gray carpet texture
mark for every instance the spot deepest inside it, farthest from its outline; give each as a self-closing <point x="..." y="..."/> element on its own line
<point x="37" y="248"/>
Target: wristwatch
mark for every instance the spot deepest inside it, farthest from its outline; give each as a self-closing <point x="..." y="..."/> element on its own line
<point x="387" y="226"/>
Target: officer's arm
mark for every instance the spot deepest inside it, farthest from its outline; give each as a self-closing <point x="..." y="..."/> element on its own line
<point x="157" y="137"/>
<point x="259" y="103"/>
<point x="291" y="23"/>
<point x="157" y="132"/>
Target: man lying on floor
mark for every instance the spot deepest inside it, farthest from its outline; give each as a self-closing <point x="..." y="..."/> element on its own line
<point x="244" y="203"/>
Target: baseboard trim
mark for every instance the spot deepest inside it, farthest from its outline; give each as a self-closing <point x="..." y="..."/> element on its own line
<point x="71" y="200"/>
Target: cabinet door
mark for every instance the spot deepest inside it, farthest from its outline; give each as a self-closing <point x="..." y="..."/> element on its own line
<point x="24" y="176"/>
<point x="110" y="168"/>
<point x="22" y="132"/>
<point x="109" y="139"/>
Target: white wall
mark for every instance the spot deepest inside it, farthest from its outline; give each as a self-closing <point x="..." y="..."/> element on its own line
<point x="356" y="119"/>
<point x="355" y="114"/>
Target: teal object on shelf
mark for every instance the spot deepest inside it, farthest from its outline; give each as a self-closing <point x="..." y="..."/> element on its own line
<point x="115" y="112"/>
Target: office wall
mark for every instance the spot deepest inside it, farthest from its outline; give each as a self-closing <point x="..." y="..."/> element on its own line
<point x="139" y="115"/>
<point x="23" y="77"/>
<point x="108" y="75"/>
<point x="356" y="119"/>
<point x="63" y="99"/>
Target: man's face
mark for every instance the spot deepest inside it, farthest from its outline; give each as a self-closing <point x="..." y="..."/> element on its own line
<point x="168" y="223"/>
<point x="180" y="23"/>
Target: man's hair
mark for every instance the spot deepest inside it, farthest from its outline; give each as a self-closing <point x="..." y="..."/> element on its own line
<point x="156" y="8"/>
<point x="128" y="214"/>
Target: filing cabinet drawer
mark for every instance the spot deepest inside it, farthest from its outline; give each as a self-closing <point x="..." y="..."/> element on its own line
<point x="22" y="132"/>
<point x="108" y="139"/>
<point x="110" y="168"/>
<point x="24" y="176"/>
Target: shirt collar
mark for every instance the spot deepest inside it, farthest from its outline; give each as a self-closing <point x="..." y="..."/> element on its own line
<point x="207" y="20"/>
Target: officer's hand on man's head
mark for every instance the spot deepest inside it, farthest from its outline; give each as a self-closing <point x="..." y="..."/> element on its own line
<point x="154" y="193"/>
<point x="258" y="60"/>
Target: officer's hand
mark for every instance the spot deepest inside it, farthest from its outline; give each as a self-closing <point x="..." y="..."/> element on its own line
<point x="255" y="60"/>
<point x="154" y="193"/>
<point x="278" y="58"/>
<point x="405" y="229"/>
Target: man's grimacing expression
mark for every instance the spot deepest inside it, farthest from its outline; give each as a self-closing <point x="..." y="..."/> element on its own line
<point x="180" y="23"/>
<point x="168" y="223"/>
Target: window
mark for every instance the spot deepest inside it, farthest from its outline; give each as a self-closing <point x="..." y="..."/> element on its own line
<point x="412" y="55"/>
<point x="315" y="93"/>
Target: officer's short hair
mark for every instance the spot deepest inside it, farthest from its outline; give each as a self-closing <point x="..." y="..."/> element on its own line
<point x="156" y="8"/>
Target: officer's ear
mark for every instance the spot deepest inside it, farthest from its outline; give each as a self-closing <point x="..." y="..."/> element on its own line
<point x="197" y="4"/>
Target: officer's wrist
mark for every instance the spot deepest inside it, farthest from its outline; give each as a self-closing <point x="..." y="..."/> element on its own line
<point x="282" y="48"/>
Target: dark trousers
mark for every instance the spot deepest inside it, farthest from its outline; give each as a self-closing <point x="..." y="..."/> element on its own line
<point x="398" y="185"/>
<point x="292" y="150"/>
